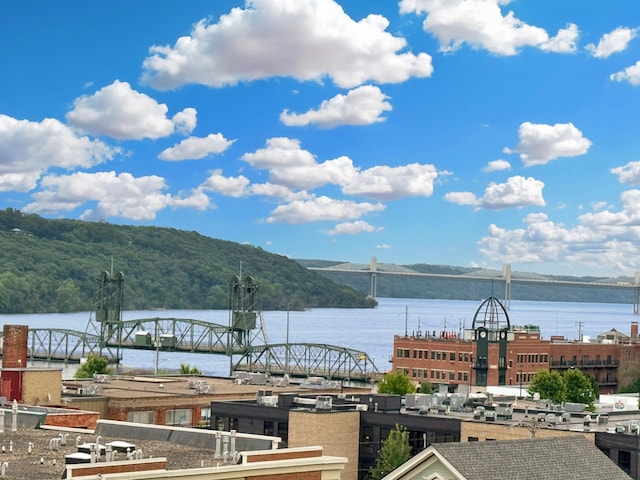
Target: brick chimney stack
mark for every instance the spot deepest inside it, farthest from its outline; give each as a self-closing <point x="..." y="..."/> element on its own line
<point x="15" y="338"/>
<point x="634" y="330"/>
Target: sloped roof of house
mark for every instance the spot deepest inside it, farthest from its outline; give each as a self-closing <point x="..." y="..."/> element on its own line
<point x="565" y="458"/>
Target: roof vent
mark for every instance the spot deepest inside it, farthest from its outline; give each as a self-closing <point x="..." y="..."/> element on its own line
<point x="323" y="402"/>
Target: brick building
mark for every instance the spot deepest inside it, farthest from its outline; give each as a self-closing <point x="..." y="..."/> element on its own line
<point x="493" y="352"/>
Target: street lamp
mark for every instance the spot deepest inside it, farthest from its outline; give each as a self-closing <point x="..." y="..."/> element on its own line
<point x="520" y="373"/>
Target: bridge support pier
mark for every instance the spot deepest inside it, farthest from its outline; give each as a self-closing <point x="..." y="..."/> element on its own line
<point x="373" y="278"/>
<point x="506" y="274"/>
<point x="373" y="286"/>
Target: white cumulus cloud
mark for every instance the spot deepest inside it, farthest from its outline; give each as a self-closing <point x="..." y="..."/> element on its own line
<point x="630" y="74"/>
<point x="228" y="186"/>
<point x="629" y="173"/>
<point x="361" y="106"/>
<point x="279" y="152"/>
<point x="321" y="209"/>
<point x="195" y="148"/>
<point x="516" y="192"/>
<point x="353" y="228"/>
<point x="496" y="165"/>
<point x="391" y="183"/>
<point x="604" y="238"/>
<point x="613" y="42"/>
<point x="303" y="39"/>
<point x="120" y="195"/>
<point x="482" y="24"/>
<point x="120" y="112"/>
<point x="295" y="168"/>
<point x="540" y="143"/>
<point x="28" y="149"/>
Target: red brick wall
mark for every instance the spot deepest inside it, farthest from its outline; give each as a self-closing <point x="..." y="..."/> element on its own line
<point x="103" y="468"/>
<point x="288" y="476"/>
<point x="73" y="420"/>
<point x="276" y="455"/>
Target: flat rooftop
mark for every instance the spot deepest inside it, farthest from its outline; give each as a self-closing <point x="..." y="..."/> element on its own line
<point x="45" y="463"/>
<point x="222" y="388"/>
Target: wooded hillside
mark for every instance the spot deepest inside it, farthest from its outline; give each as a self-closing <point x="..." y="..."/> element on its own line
<point x="53" y="266"/>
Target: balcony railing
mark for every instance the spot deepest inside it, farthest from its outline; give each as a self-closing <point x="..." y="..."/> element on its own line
<point x="585" y="364"/>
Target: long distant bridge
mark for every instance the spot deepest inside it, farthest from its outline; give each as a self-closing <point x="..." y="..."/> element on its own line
<point x="374" y="270"/>
<point x="243" y="340"/>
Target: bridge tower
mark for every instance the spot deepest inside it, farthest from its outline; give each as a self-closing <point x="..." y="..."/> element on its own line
<point x="242" y="316"/>
<point x="373" y="278"/>
<point x="636" y="294"/>
<point x="506" y="275"/>
<point x="108" y="303"/>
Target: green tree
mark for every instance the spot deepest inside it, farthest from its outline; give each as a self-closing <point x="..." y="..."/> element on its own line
<point x="398" y="383"/>
<point x="186" y="369"/>
<point x="394" y="452"/>
<point x="580" y="387"/>
<point x="95" y="364"/>
<point x="549" y="385"/>
<point x="426" y="387"/>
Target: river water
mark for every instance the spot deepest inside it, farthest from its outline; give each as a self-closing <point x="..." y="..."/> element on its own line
<point x="368" y="330"/>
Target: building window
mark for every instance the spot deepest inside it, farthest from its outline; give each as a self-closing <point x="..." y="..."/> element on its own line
<point x="624" y="460"/>
<point x="283" y="431"/>
<point x="140" y="417"/>
<point x="179" y="416"/>
<point x="452" y="375"/>
<point x="452" y="356"/>
<point x="268" y="428"/>
<point x="233" y="423"/>
<point x="205" y="417"/>
<point x="472" y="439"/>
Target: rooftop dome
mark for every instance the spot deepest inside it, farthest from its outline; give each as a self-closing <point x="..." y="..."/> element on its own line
<point x="491" y="315"/>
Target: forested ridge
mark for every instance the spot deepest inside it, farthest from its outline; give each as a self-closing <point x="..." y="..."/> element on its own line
<point x="53" y="266"/>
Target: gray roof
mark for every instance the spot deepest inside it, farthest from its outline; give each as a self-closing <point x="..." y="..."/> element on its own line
<point x="564" y="458"/>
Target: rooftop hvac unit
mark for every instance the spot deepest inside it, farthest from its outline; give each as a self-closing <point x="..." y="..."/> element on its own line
<point x="270" y="400"/>
<point x="203" y="388"/>
<point x="258" y="379"/>
<point x="323" y="402"/>
<point x="415" y="401"/>
<point x="93" y="390"/>
<point x="101" y="378"/>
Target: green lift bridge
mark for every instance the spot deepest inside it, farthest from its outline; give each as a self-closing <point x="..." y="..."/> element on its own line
<point x="243" y="340"/>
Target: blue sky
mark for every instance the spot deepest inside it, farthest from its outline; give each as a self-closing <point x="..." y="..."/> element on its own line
<point x="461" y="132"/>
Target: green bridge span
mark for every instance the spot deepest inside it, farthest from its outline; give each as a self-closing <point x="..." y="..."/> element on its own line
<point x="243" y="340"/>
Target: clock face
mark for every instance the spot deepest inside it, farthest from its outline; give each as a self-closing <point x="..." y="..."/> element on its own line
<point x="503" y="334"/>
<point x="483" y="334"/>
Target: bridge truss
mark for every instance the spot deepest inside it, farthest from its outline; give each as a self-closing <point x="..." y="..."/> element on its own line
<point x="309" y="359"/>
<point x="243" y="340"/>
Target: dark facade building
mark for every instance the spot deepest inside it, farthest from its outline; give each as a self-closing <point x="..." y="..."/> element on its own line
<point x="494" y="352"/>
<point x="353" y="426"/>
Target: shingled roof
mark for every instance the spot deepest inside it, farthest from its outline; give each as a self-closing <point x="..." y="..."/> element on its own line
<point x="565" y="458"/>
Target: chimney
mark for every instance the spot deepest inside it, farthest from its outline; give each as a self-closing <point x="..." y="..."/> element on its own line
<point x="634" y="330"/>
<point x="15" y="339"/>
